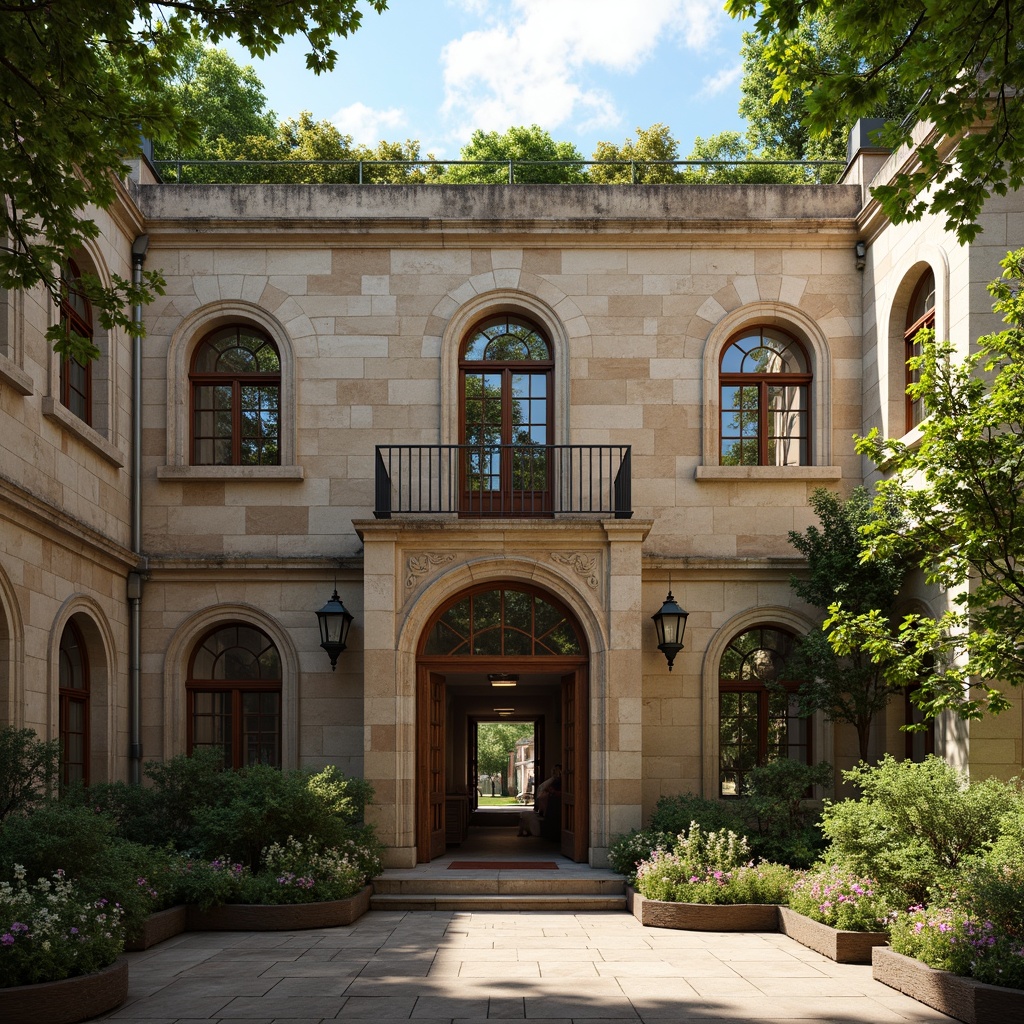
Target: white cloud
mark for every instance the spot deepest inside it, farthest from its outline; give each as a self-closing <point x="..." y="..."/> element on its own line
<point x="367" y="125"/>
<point x="529" y="65"/>
<point x="722" y="80"/>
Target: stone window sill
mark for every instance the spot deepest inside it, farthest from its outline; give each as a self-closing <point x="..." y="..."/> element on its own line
<point x="15" y="376"/>
<point x="774" y="473"/>
<point x="264" y="474"/>
<point x="71" y="424"/>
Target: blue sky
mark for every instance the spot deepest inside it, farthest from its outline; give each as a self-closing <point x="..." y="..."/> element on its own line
<point x="585" y="70"/>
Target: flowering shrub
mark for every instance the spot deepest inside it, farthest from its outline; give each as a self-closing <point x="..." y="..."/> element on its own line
<point x="210" y="883"/>
<point x="839" y="898"/>
<point x="711" y="867"/>
<point x="296" y="872"/>
<point x="948" y="939"/>
<point x="49" y="932"/>
<point x="625" y="854"/>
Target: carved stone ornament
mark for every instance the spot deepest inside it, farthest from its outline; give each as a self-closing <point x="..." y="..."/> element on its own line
<point x="419" y="565"/>
<point x="585" y="566"/>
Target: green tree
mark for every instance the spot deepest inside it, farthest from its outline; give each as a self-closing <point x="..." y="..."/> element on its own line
<point x="960" y="61"/>
<point x="220" y="100"/>
<point x="494" y="742"/>
<point x="956" y="495"/>
<point x="531" y="143"/>
<point x="851" y="688"/>
<point x="746" y="166"/>
<point x="79" y="83"/>
<point x="781" y="126"/>
<point x="641" y="160"/>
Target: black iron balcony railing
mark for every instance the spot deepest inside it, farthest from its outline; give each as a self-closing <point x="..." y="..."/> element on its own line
<point x="503" y="480"/>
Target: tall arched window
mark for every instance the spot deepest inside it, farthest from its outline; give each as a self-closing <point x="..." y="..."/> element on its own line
<point x="758" y="718"/>
<point x="765" y="380"/>
<point x="920" y="315"/>
<point x="506" y="418"/>
<point x="76" y="318"/>
<point x="236" y="399"/>
<point x="74" y="706"/>
<point x="234" y="696"/>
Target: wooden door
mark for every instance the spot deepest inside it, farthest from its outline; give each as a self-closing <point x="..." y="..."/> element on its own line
<point x="575" y="767"/>
<point x="430" y="763"/>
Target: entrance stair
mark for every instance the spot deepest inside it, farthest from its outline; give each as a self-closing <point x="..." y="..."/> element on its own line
<point x="493" y="869"/>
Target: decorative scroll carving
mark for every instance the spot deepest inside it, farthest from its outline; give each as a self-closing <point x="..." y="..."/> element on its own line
<point x="420" y="565"/>
<point x="585" y="566"/>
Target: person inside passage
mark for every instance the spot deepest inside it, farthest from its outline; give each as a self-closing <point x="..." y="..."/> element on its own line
<point x="529" y="821"/>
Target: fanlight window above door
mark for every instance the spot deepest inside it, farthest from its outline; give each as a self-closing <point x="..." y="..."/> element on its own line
<point x="504" y="621"/>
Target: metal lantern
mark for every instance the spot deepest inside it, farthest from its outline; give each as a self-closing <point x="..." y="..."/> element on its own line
<point x="335" y="620"/>
<point x="670" y="622"/>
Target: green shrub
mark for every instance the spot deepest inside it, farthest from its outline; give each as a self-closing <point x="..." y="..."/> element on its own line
<point x="782" y="825"/>
<point x="711" y="867"/>
<point x="29" y="770"/>
<point x="208" y="883"/>
<point x="916" y="826"/>
<point x="627" y="851"/>
<point x="296" y="873"/>
<point x="673" y="814"/>
<point x="840" y="899"/>
<point x="51" y="930"/>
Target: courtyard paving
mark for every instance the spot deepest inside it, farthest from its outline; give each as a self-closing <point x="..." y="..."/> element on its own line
<point x="545" y="967"/>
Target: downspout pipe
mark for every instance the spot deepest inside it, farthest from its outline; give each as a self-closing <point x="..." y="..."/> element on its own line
<point x="139" y="248"/>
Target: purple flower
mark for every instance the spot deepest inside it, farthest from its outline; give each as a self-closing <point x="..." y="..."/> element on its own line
<point x="7" y="939"/>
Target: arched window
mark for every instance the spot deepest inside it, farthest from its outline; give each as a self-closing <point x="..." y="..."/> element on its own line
<point x="506" y="418"/>
<point x="236" y="399"/>
<point x="758" y="718"/>
<point x="234" y="696"/>
<point x="920" y="315"/>
<point x="73" y="673"/>
<point x="75" y="318"/>
<point x="765" y="382"/>
<point x="503" y="621"/>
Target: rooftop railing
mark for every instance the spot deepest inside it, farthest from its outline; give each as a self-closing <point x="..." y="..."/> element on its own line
<point x="512" y="172"/>
<point x="499" y="480"/>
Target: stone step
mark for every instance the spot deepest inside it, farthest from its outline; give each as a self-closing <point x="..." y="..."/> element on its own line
<point x="482" y="901"/>
<point x="496" y="885"/>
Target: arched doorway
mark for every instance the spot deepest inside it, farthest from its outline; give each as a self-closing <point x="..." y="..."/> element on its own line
<point x="512" y="629"/>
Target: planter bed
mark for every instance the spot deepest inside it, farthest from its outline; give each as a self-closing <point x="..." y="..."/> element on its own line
<point x="159" y="926"/>
<point x="253" y="917"/>
<point x="842" y="946"/>
<point x="68" y="1000"/>
<point x="703" y="917"/>
<point x="963" y="998"/>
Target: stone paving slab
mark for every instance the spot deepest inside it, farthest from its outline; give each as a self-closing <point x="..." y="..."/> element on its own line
<point x="471" y="967"/>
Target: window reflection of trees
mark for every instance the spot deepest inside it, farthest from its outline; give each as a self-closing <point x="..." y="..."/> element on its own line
<point x="765" y="382"/>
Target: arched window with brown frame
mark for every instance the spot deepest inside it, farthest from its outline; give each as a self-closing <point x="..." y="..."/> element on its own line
<point x="765" y="382"/>
<point x="758" y="715"/>
<point x="234" y="696"/>
<point x="76" y="319"/>
<point x="73" y="716"/>
<point x="920" y="316"/>
<point x="236" y="399"/>
<point x="506" y="421"/>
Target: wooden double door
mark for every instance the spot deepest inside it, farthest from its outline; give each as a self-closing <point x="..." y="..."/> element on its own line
<point x="432" y="756"/>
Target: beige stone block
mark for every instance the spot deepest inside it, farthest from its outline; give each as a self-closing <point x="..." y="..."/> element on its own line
<point x="272" y="520"/>
<point x="593" y="261"/>
<point x="431" y="261"/>
<point x="375" y="284"/>
<point x="618" y="369"/>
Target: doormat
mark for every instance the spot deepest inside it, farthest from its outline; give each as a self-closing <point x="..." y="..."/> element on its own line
<point x="503" y="865"/>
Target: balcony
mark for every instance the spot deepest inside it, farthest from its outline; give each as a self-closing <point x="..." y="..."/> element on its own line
<point x="503" y="480"/>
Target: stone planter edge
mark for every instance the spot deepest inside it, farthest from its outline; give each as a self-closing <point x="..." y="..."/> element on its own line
<point x="68" y="1000"/>
<point x="164" y="924"/>
<point x="845" y="947"/>
<point x="968" y="1000"/>
<point x="703" y="917"/>
<point x="255" y="917"/>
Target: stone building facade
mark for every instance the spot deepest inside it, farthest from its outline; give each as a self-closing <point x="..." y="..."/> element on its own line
<point x="503" y="422"/>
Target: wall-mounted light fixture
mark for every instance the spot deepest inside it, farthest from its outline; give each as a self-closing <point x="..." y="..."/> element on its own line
<point x="861" y="249"/>
<point x="670" y="622"/>
<point x="502" y="678"/>
<point x="335" y="620"/>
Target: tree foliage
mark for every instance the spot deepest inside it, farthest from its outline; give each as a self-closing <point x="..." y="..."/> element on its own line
<point x="79" y="83"/>
<point x="520" y="142"/>
<point x="957" y="497"/>
<point x="962" y="63"/>
<point x="852" y="688"/>
<point x="494" y="742"/>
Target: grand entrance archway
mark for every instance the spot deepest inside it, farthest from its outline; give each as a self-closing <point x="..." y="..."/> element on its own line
<point x="512" y="629"/>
